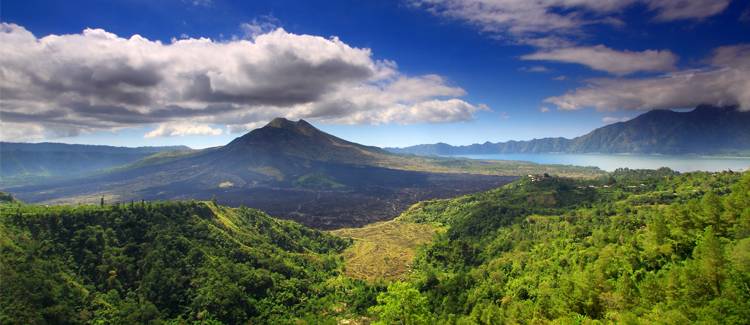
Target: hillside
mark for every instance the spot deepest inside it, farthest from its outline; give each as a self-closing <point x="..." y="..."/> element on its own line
<point x="637" y="247"/>
<point x="24" y="162"/>
<point x="706" y="130"/>
<point x="293" y="170"/>
<point x="163" y="262"/>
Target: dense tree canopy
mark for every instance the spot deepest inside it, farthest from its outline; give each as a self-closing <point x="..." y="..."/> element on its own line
<point x="638" y="246"/>
<point x="156" y="262"/>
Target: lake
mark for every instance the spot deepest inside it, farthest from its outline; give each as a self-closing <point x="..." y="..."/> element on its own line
<point x="613" y="161"/>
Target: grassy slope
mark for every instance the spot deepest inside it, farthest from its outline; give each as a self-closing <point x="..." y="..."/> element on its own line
<point x="384" y="250"/>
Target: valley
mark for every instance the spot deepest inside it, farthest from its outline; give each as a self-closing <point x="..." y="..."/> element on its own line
<point x="292" y="170"/>
<point x="27" y="163"/>
<point x="635" y="246"/>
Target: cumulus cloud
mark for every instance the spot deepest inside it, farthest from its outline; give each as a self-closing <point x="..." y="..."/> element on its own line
<point x="67" y="84"/>
<point x="545" y="22"/>
<point x="182" y="129"/>
<point x="259" y="26"/>
<point x="724" y="81"/>
<point x="404" y="100"/>
<point x="20" y="132"/>
<point x="606" y="59"/>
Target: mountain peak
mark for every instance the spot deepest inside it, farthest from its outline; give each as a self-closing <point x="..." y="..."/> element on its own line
<point x="283" y="123"/>
<point x="282" y="138"/>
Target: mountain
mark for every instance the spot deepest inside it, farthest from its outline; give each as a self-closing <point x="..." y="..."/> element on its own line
<point x="706" y="130"/>
<point x="290" y="169"/>
<point x="282" y="137"/>
<point x="24" y="161"/>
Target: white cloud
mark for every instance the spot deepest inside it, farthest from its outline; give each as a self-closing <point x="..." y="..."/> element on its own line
<point x="259" y="26"/>
<point x="603" y="58"/>
<point x="544" y="109"/>
<point x="182" y="129"/>
<point x="613" y="119"/>
<point x="96" y="80"/>
<point x="20" y="132"/>
<point x="725" y="81"/>
<point x="545" y="23"/>
<point x="536" y="68"/>
<point x="546" y="42"/>
<point x="668" y="10"/>
<point x="237" y="128"/>
<point x="449" y="110"/>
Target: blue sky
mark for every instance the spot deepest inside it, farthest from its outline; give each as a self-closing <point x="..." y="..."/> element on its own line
<point x="496" y="82"/>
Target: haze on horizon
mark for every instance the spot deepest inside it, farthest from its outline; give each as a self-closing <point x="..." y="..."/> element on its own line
<point x="200" y="73"/>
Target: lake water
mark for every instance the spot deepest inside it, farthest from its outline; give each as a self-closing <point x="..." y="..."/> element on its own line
<point x="612" y="162"/>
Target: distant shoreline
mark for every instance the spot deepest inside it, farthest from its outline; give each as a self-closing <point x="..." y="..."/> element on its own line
<point x="610" y="162"/>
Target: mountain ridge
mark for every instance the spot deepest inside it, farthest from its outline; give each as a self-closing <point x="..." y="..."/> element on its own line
<point x="49" y="159"/>
<point x="9" y="145"/>
<point x="703" y="130"/>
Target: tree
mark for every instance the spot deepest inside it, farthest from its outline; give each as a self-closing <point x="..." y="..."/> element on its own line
<point x="712" y="211"/>
<point x="709" y="263"/>
<point x="402" y="304"/>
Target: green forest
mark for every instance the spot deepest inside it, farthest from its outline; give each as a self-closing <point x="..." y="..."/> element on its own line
<point x="634" y="246"/>
<point x="163" y="262"/>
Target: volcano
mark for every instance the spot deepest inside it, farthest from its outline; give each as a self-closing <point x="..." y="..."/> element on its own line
<point x="287" y="168"/>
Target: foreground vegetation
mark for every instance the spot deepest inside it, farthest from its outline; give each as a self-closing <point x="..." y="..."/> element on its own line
<point x="165" y="262"/>
<point x="635" y="247"/>
<point x="631" y="247"/>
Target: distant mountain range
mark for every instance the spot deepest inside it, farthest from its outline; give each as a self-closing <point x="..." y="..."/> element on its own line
<point x="706" y="130"/>
<point x="58" y="159"/>
<point x="290" y="169"/>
